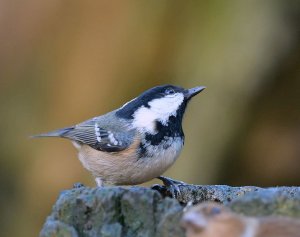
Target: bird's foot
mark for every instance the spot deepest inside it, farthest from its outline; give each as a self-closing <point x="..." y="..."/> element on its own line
<point x="171" y="186"/>
<point x="78" y="185"/>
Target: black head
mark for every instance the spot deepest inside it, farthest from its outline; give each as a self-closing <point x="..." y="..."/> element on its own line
<point x="162" y="100"/>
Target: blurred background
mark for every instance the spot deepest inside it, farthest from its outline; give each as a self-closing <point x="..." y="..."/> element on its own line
<point x="62" y="62"/>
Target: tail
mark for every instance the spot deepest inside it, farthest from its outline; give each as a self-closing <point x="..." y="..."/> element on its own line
<point x="57" y="133"/>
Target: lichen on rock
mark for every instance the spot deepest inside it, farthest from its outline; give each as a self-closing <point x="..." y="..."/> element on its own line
<point x="113" y="212"/>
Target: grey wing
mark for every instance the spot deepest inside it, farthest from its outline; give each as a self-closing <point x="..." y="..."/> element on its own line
<point x="92" y="134"/>
<point x="109" y="140"/>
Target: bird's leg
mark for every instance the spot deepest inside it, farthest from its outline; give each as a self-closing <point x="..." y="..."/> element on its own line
<point x="99" y="182"/>
<point x="172" y="185"/>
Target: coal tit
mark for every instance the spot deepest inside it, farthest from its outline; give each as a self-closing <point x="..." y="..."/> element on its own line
<point x="135" y="143"/>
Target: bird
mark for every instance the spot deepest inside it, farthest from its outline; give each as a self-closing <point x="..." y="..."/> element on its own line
<point x="135" y="143"/>
<point x="210" y="219"/>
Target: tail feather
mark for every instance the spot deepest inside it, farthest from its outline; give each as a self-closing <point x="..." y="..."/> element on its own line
<point x="57" y="133"/>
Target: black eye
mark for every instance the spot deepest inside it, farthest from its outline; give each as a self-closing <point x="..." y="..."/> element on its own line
<point x="169" y="91"/>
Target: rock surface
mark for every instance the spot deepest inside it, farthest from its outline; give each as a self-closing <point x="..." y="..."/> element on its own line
<point x="137" y="211"/>
<point x="113" y="212"/>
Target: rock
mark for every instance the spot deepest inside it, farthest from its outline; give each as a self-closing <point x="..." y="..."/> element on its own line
<point x="113" y="212"/>
<point x="271" y="201"/>
<point x="217" y="193"/>
<point x="138" y="211"/>
<point x="58" y="228"/>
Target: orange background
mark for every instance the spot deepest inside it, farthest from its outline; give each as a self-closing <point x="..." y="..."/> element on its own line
<point x="62" y="62"/>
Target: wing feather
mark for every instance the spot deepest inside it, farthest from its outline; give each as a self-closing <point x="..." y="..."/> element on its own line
<point x="109" y="139"/>
<point x="99" y="138"/>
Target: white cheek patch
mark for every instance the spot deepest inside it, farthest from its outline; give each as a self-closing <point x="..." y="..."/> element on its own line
<point x="144" y="119"/>
<point x="160" y="109"/>
<point x="166" y="106"/>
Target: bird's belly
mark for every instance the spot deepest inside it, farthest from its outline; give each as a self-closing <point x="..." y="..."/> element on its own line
<point x="126" y="168"/>
<point x="149" y="167"/>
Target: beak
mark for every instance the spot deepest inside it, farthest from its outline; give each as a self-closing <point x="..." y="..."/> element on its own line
<point x="189" y="93"/>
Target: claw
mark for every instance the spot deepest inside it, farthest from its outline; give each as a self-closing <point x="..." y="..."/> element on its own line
<point x="171" y="185"/>
<point x="159" y="188"/>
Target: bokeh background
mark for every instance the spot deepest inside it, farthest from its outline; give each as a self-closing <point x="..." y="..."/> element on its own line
<point x="62" y="62"/>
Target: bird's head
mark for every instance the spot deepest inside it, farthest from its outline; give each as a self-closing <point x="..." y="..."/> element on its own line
<point x="157" y="104"/>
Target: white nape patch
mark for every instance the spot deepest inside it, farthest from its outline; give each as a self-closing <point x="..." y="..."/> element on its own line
<point x="97" y="132"/>
<point x="160" y="109"/>
<point x="112" y="138"/>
